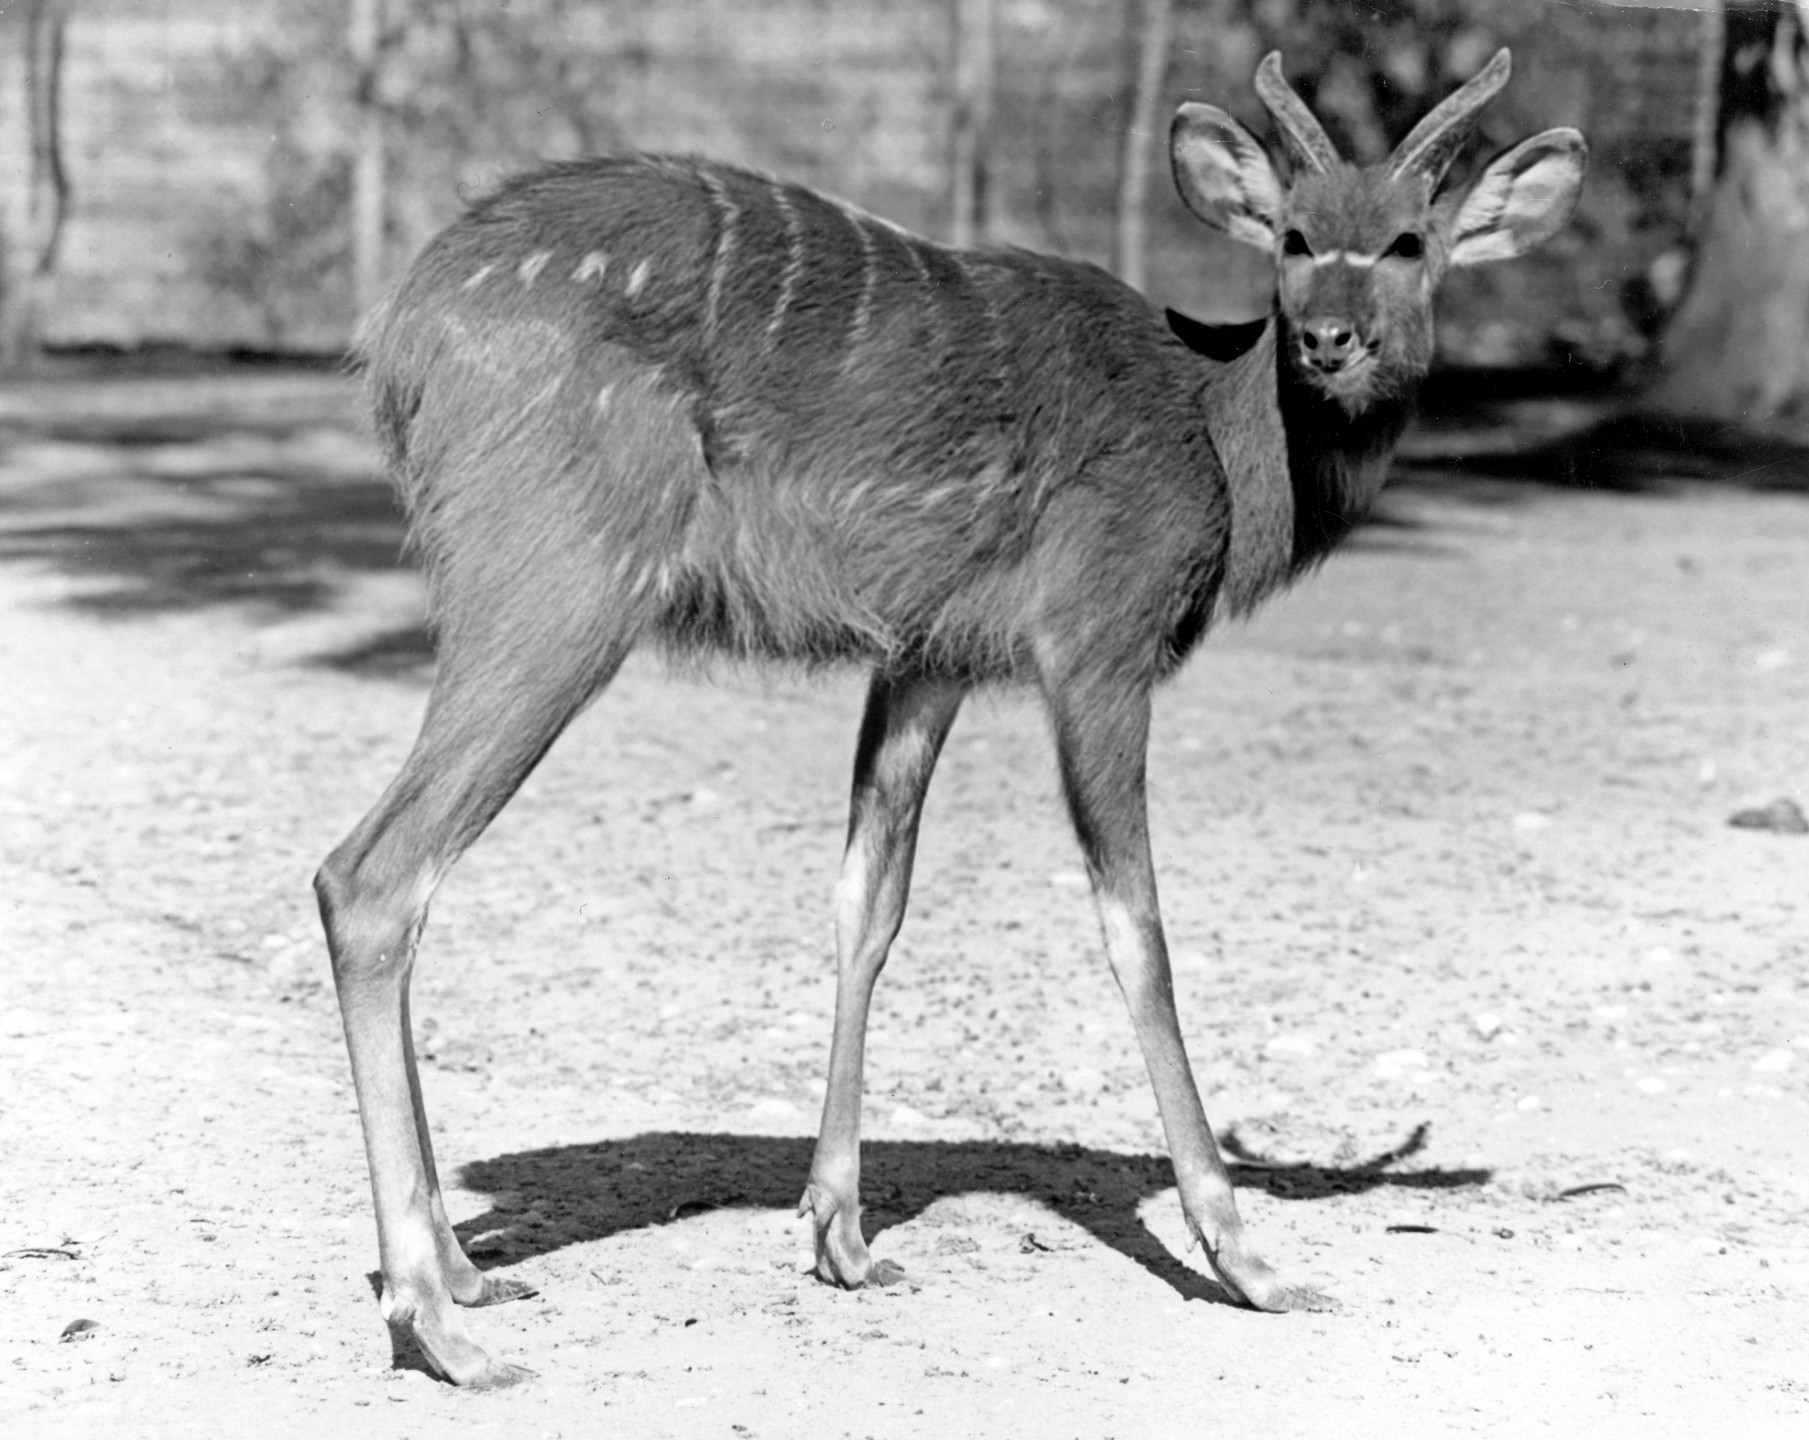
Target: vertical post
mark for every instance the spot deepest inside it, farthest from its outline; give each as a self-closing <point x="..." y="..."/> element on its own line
<point x="973" y="67"/>
<point x="1130" y="240"/>
<point x="30" y="263"/>
<point x="1737" y="347"/>
<point x="1706" y="119"/>
<point x="368" y="199"/>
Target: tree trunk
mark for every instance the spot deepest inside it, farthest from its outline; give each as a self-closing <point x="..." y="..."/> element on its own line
<point x="1130" y="240"/>
<point x="30" y="264"/>
<point x="1738" y="346"/>
<point x="369" y="201"/>
<point x="974" y="68"/>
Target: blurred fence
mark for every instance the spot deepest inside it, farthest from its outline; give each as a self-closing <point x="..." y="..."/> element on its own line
<point x="211" y="143"/>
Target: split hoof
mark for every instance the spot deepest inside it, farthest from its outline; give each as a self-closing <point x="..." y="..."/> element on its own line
<point x="1250" y="1280"/>
<point x="499" y="1375"/>
<point x="843" y="1259"/>
<point x="1287" y="1297"/>
<point x="499" y="1290"/>
<point x="886" y="1272"/>
<point x="439" y="1340"/>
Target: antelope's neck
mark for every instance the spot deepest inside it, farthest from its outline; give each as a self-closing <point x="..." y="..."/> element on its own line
<point x="1301" y="470"/>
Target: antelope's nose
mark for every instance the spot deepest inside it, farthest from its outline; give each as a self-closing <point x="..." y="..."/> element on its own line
<point x="1330" y="342"/>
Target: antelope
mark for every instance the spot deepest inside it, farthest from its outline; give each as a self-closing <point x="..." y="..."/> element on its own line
<point x="644" y="398"/>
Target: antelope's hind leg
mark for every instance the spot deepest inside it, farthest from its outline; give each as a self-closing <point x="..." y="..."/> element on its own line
<point x="501" y="698"/>
<point x="1102" y="735"/>
<point x="902" y="731"/>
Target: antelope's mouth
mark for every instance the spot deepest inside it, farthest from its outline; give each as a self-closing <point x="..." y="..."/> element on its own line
<point x="1354" y="383"/>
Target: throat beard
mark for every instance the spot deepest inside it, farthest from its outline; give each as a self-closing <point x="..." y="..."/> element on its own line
<point x="1338" y="451"/>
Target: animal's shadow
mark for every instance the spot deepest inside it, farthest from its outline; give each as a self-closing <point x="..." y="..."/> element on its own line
<point x="591" y="1192"/>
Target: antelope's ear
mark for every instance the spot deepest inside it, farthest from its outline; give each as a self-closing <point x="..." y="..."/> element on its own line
<point x="1224" y="175"/>
<point x="1524" y="196"/>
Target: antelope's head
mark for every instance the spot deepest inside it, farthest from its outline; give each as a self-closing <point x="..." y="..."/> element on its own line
<point x="1359" y="250"/>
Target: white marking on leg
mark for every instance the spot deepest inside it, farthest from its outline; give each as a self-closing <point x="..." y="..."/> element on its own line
<point x="425" y="885"/>
<point x="592" y="266"/>
<point x="637" y="278"/>
<point x="533" y="265"/>
<point x="478" y="278"/>
<point x="1122" y="932"/>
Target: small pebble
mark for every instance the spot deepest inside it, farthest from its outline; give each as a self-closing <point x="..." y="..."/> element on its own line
<point x="1394" y="1063"/>
<point x="1083" y="1080"/>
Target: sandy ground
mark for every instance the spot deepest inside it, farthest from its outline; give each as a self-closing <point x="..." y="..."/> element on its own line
<point x="1507" y="1025"/>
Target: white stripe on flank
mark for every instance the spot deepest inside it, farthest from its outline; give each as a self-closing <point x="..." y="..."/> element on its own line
<point x="592" y="266"/>
<point x="854" y="212"/>
<point x="728" y="212"/>
<point x="637" y="279"/>
<point x="478" y="278"/>
<point x="863" y="309"/>
<point x="533" y="265"/>
<point x="911" y="244"/>
<point x="989" y="311"/>
<point x="794" y="259"/>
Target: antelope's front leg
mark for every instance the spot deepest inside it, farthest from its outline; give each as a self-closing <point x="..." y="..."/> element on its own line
<point x="902" y="732"/>
<point x="1102" y="735"/>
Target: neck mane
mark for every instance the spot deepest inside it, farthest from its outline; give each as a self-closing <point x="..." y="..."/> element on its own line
<point x="1302" y="471"/>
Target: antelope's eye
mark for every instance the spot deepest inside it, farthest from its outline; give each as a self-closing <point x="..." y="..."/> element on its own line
<point x="1294" y="243"/>
<point x="1407" y="246"/>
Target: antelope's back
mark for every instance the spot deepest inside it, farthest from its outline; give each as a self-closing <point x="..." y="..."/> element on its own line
<point x="800" y="429"/>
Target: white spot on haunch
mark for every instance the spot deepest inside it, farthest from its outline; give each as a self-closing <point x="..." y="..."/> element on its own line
<point x="637" y="279"/>
<point x="603" y="397"/>
<point x="478" y="279"/>
<point x="645" y="580"/>
<point x="533" y="265"/>
<point x="592" y="266"/>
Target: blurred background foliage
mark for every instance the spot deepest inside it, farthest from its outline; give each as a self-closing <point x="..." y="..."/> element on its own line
<point x="213" y="146"/>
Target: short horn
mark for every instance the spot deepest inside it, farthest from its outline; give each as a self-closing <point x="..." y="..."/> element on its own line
<point x="1435" y="141"/>
<point x="1306" y="141"/>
